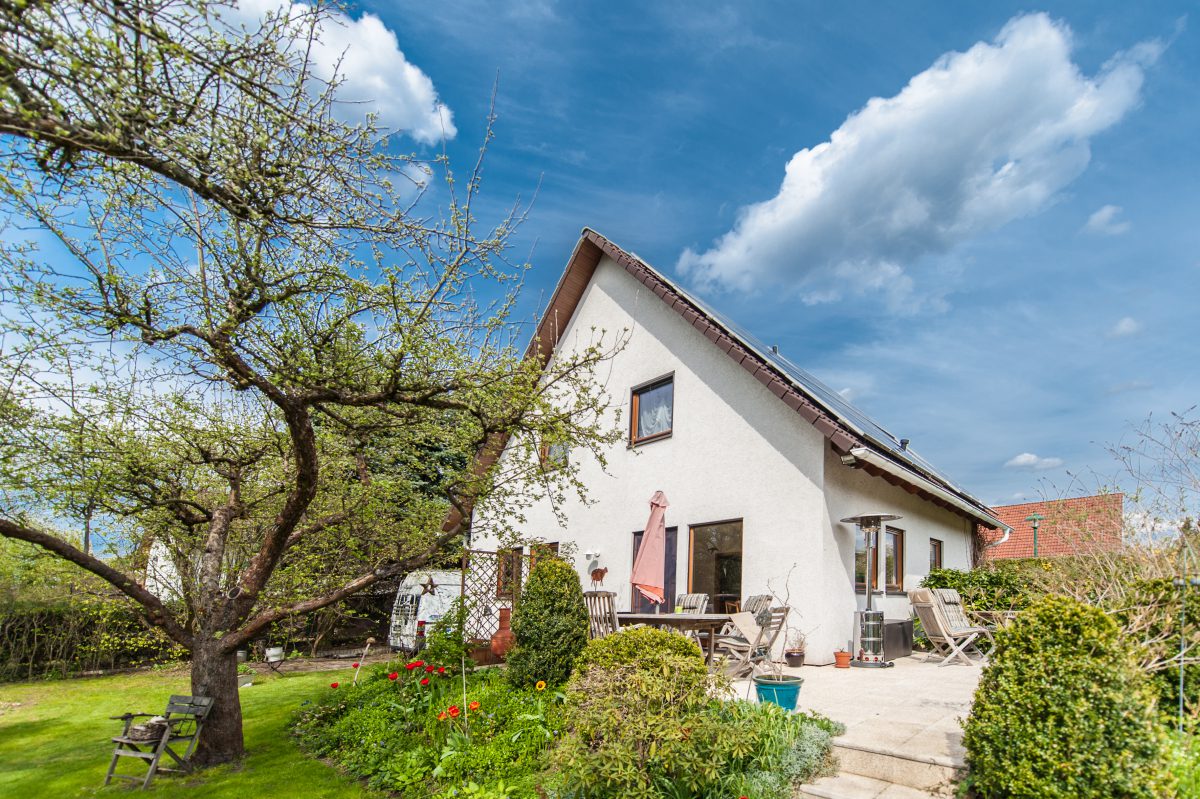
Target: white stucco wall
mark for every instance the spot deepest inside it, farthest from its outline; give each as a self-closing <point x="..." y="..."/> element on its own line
<point x="850" y="492"/>
<point x="736" y="452"/>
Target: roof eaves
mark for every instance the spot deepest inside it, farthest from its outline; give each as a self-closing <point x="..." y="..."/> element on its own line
<point x="843" y="433"/>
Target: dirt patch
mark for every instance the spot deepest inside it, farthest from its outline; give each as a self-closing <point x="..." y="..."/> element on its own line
<point x="326" y="663"/>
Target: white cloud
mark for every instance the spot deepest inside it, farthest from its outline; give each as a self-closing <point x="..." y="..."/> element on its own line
<point x="1105" y="221"/>
<point x="1125" y="326"/>
<point x="376" y="76"/>
<point x="1027" y="460"/>
<point x="977" y="140"/>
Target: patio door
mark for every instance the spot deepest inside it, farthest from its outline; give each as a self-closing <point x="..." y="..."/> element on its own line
<point x="639" y="603"/>
<point x="715" y="564"/>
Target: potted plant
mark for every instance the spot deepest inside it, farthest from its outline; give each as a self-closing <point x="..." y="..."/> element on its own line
<point x="841" y="659"/>
<point x="772" y="685"/>
<point x="246" y="675"/>
<point x="796" y="643"/>
<point x="776" y="687"/>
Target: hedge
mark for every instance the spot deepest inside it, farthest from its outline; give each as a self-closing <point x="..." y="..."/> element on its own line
<point x="41" y="640"/>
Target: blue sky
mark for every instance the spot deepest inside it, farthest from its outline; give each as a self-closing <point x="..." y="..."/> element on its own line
<point x="979" y="220"/>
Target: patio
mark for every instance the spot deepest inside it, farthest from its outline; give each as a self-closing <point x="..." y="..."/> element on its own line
<point x="903" y="738"/>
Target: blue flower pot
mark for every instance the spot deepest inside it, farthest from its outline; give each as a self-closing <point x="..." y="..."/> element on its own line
<point x="782" y="691"/>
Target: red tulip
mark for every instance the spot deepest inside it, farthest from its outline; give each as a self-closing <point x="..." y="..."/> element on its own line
<point x="418" y="663"/>
<point x="429" y="669"/>
<point x="442" y="716"/>
<point x="410" y="666"/>
<point x="424" y="681"/>
<point x="441" y="669"/>
<point x="333" y="685"/>
<point x="473" y="706"/>
<point x="454" y="711"/>
<point x="393" y="676"/>
<point x="354" y="665"/>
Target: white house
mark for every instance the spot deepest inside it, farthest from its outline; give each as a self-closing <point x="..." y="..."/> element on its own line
<point x="758" y="459"/>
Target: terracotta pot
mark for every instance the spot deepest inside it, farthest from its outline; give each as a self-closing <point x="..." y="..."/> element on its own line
<point x="841" y="659"/>
<point x="504" y="639"/>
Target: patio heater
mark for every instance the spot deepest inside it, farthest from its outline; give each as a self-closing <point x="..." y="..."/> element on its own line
<point x="870" y="621"/>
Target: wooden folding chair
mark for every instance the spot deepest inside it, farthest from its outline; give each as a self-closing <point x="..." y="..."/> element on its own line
<point x="745" y="652"/>
<point x="955" y="613"/>
<point x="949" y="642"/>
<point x="692" y="603"/>
<point x="756" y="603"/>
<point x="182" y="723"/>
<point x="602" y="613"/>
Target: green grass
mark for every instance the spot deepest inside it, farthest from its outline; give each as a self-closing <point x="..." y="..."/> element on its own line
<point x="56" y="742"/>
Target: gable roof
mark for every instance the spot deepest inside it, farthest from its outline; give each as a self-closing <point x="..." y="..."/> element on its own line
<point x="860" y="440"/>
<point x="1069" y="526"/>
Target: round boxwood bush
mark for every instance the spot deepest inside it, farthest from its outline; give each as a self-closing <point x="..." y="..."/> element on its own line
<point x="550" y="624"/>
<point x="643" y="647"/>
<point x="1063" y="713"/>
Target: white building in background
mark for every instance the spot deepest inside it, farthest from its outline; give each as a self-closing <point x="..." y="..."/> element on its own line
<point x="758" y="459"/>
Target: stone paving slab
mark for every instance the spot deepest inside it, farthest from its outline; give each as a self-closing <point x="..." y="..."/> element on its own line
<point x="912" y="710"/>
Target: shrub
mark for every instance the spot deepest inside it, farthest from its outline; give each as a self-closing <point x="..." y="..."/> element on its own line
<point x="656" y="667"/>
<point x="550" y="625"/>
<point x="445" y="642"/>
<point x="1000" y="586"/>
<point x="1062" y="712"/>
<point x="1185" y="765"/>
<point x="620" y="745"/>
<point x="640" y="721"/>
<point x="644" y="647"/>
<point x="1151" y="611"/>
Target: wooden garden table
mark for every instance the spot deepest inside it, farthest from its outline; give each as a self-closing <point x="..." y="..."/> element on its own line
<point x="710" y="623"/>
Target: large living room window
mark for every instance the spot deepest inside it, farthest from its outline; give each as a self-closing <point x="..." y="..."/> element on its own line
<point x="715" y="564"/>
<point x="893" y="560"/>
<point x="652" y="411"/>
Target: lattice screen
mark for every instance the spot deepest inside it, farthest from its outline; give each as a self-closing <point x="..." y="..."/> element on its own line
<point x="491" y="581"/>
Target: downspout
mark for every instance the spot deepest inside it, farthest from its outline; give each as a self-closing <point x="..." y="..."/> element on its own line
<point x="1003" y="538"/>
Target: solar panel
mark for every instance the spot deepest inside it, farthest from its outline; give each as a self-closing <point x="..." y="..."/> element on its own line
<point x="824" y="396"/>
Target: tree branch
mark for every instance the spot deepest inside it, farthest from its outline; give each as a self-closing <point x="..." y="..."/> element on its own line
<point x="155" y="612"/>
<point x="253" y="626"/>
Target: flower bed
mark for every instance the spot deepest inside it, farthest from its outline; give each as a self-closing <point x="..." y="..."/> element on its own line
<point x="414" y="730"/>
<point x="637" y="718"/>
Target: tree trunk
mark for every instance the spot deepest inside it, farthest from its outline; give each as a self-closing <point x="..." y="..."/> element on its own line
<point x="214" y="674"/>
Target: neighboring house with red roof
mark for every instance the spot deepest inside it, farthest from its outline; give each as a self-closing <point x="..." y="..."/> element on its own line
<point x="1068" y="527"/>
<point x="760" y="462"/>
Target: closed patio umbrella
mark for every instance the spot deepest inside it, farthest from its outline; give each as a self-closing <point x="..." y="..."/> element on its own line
<point x="650" y="563"/>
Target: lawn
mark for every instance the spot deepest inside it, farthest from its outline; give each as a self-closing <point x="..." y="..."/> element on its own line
<point x="55" y="742"/>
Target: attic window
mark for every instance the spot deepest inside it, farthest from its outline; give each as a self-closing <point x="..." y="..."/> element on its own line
<point x="652" y="412"/>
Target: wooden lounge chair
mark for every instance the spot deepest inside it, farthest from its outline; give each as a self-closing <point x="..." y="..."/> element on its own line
<point x="955" y="613"/>
<point x="752" y="648"/>
<point x="692" y="603"/>
<point x="182" y="723"/>
<point x="947" y="641"/>
<point x="602" y="613"/>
